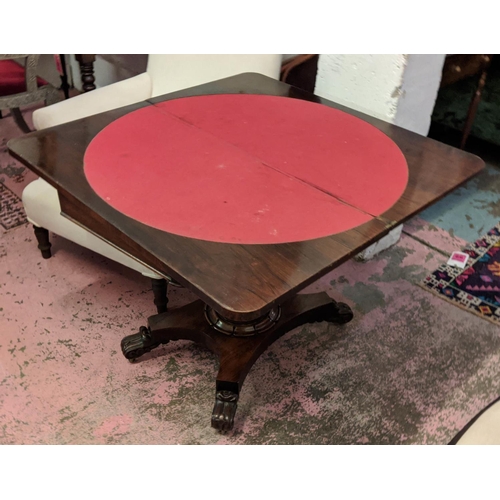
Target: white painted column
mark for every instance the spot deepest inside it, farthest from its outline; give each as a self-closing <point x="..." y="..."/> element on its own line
<point x="397" y="88"/>
<point x="366" y="82"/>
<point x="418" y="92"/>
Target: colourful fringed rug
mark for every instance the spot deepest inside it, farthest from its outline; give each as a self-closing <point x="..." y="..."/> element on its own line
<point x="477" y="287"/>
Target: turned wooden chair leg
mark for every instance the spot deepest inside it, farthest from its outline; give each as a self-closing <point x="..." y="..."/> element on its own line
<point x="471" y="113"/>
<point x="42" y="236"/>
<point x="159" y="287"/>
<point x="19" y="119"/>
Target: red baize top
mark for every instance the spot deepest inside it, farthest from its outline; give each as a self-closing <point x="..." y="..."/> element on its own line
<point x="251" y="169"/>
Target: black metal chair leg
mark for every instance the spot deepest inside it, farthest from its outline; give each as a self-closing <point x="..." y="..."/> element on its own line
<point x="19" y="119"/>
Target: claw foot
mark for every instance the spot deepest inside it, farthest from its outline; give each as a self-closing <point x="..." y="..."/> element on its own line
<point x="335" y="312"/>
<point x="134" y="346"/>
<point x="342" y="314"/>
<point x="224" y="410"/>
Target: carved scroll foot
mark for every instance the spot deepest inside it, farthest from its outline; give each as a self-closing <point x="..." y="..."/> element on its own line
<point x="331" y="311"/>
<point x="224" y="410"/>
<point x="134" y="346"/>
<point x="187" y="322"/>
<point x="237" y="348"/>
<point x="341" y="314"/>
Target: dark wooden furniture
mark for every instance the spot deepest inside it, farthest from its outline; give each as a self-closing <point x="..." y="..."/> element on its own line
<point x="86" y="62"/>
<point x="20" y="86"/>
<point x="248" y="293"/>
<point x="300" y="71"/>
<point x="64" y="76"/>
<point x="460" y="66"/>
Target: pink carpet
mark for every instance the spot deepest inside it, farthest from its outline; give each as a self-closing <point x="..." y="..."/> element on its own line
<point x="409" y="369"/>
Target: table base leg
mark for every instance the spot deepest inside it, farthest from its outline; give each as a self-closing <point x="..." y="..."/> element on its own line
<point x="160" y="289"/>
<point x="236" y="354"/>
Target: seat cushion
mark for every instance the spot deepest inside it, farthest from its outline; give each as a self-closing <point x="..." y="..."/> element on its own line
<point x="41" y="203"/>
<point x="484" y="428"/>
<point x="12" y="79"/>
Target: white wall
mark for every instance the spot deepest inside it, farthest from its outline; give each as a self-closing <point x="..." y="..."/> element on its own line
<point x="418" y="93"/>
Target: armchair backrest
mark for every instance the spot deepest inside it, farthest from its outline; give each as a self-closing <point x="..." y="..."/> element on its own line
<point x="30" y="62"/>
<point x="171" y="72"/>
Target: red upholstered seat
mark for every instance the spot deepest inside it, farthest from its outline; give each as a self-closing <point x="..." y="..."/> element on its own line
<point x="12" y="78"/>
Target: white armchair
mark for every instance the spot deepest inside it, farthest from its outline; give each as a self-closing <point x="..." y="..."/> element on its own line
<point x="164" y="74"/>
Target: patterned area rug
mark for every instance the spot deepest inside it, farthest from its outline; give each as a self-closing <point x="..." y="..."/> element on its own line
<point x="11" y="209"/>
<point x="13" y="175"/>
<point x="477" y="287"/>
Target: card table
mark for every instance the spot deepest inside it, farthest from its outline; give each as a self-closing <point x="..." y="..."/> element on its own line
<point x="244" y="190"/>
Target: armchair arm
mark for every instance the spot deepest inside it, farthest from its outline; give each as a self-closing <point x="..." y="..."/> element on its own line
<point x="116" y="95"/>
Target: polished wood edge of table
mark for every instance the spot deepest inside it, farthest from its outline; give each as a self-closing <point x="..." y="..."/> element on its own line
<point x="75" y="210"/>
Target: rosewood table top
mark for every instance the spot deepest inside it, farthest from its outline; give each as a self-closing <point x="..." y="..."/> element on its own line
<point x="244" y="190"/>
